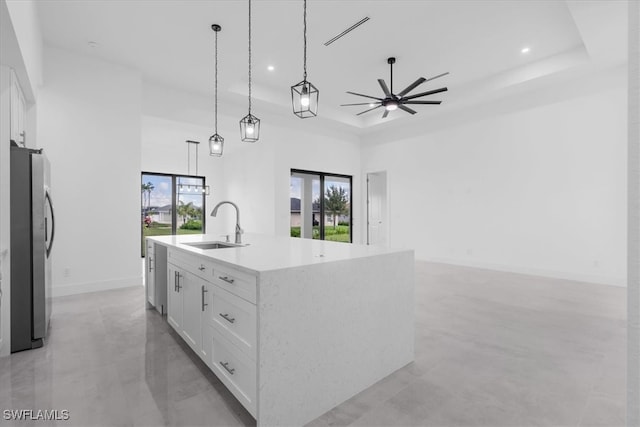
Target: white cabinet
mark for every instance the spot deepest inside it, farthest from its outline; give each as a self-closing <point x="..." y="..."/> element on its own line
<point x="174" y="297"/>
<point x="213" y="309"/>
<point x="191" y="290"/>
<point x="150" y="280"/>
<point x="18" y="112"/>
<point x="156" y="276"/>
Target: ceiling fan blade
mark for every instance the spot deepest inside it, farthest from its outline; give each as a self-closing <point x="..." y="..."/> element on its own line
<point x="385" y="114"/>
<point x="366" y="96"/>
<point x="384" y="87"/>
<point x="366" y="111"/>
<point x="431" y="92"/>
<point x="363" y="103"/>
<point x="407" y="109"/>
<point x="436" y="77"/>
<point x="423" y="102"/>
<point x="412" y="86"/>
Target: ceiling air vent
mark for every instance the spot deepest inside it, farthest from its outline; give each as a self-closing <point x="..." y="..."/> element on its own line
<point x="347" y="31"/>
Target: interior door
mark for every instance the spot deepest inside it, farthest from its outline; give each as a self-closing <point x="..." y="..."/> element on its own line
<point x="377" y="227"/>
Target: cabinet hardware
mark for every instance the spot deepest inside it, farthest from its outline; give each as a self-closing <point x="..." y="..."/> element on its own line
<point x="175" y="281"/>
<point x="178" y="286"/>
<point x="201" y="268"/>
<point x="225" y="365"/>
<point x="150" y="261"/>
<point x="227" y="318"/>
<point x="226" y="279"/>
<point x="203" y="299"/>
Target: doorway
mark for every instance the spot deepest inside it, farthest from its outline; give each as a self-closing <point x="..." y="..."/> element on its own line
<point x="377" y="211"/>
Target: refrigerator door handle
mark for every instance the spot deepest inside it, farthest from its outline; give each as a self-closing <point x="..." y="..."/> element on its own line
<point x="53" y="222"/>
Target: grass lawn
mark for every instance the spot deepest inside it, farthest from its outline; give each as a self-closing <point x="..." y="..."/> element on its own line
<point x="162" y="230"/>
<point x="339" y="234"/>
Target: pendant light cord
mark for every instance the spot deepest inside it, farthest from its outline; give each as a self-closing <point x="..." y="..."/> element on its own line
<point x="305" y="39"/>
<point x="249" y="56"/>
<point x="216" y="87"/>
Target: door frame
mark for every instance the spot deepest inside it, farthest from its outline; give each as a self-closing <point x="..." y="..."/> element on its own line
<point x="386" y="203"/>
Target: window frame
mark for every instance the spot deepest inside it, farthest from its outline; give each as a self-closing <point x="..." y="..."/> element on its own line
<point x="322" y="176"/>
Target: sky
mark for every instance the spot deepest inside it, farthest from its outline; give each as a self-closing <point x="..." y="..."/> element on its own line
<point x="295" y="189"/>
<point x="161" y="193"/>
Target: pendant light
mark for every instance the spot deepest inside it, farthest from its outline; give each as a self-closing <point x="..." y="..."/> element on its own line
<point x="304" y="95"/>
<point x="195" y="188"/>
<point x="250" y="124"/>
<point x="216" y="142"/>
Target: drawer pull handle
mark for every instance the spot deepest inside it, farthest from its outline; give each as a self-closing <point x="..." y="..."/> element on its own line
<point x="227" y="318"/>
<point x="203" y="299"/>
<point x="226" y="279"/>
<point x="150" y="261"/>
<point x="178" y="286"/>
<point x="225" y="365"/>
<point x="201" y="268"/>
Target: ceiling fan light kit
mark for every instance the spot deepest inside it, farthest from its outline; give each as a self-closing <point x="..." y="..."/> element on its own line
<point x="304" y="95"/>
<point x="393" y="101"/>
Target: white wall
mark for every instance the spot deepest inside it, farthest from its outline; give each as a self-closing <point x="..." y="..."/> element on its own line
<point x="27" y="47"/>
<point x="254" y="176"/>
<point x="5" y="211"/>
<point x="257" y="176"/>
<point x="164" y="150"/>
<point x="538" y="191"/>
<point x="89" y="126"/>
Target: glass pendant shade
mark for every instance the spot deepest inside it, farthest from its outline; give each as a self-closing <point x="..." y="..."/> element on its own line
<point x="304" y="98"/>
<point x="216" y="144"/>
<point x="250" y="128"/>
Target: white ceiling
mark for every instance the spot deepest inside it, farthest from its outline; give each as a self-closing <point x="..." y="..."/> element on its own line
<point x="479" y="42"/>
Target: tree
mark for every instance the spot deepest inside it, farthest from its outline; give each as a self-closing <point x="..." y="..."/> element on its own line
<point x="185" y="210"/>
<point x="146" y="195"/>
<point x="336" y="202"/>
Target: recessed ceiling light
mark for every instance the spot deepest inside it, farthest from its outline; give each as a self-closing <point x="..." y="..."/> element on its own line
<point x="525" y="50"/>
<point x="271" y="68"/>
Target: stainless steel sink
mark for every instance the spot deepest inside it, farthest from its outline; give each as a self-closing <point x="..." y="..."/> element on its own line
<point x="212" y="245"/>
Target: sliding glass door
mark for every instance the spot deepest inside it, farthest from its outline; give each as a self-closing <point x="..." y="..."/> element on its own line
<point x="171" y="204"/>
<point x="320" y="205"/>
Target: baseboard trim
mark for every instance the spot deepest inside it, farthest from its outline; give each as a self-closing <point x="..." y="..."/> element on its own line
<point x="105" y="285"/>
<point x="578" y="277"/>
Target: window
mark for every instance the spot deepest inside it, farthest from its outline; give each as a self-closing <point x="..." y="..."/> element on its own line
<point x="171" y="204"/>
<point x="320" y="206"/>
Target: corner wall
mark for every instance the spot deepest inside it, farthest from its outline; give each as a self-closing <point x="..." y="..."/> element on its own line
<point x="539" y="191"/>
<point x="89" y="127"/>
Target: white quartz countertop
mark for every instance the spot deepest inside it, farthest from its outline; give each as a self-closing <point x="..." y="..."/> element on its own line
<point x="266" y="252"/>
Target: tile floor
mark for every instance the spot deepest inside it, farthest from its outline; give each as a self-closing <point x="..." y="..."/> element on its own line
<point x="492" y="349"/>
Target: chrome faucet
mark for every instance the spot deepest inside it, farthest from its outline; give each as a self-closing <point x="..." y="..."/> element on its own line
<point x="239" y="230"/>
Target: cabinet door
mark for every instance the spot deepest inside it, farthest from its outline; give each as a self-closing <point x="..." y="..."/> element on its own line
<point x="192" y="307"/>
<point x="205" y="315"/>
<point x="150" y="280"/>
<point x="174" y="297"/>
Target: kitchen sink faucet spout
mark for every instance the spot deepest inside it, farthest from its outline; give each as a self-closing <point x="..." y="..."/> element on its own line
<point x="239" y="230"/>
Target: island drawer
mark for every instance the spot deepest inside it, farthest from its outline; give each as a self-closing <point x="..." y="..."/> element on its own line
<point x="233" y="368"/>
<point x="235" y="281"/>
<point x="192" y="263"/>
<point x="235" y="319"/>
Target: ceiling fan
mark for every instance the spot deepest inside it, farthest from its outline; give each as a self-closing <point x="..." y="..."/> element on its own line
<point x="400" y="100"/>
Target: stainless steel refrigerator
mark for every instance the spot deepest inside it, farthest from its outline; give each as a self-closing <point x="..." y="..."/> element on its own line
<point x="32" y="233"/>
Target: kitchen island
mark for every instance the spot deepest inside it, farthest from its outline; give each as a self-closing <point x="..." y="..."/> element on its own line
<point x="293" y="327"/>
